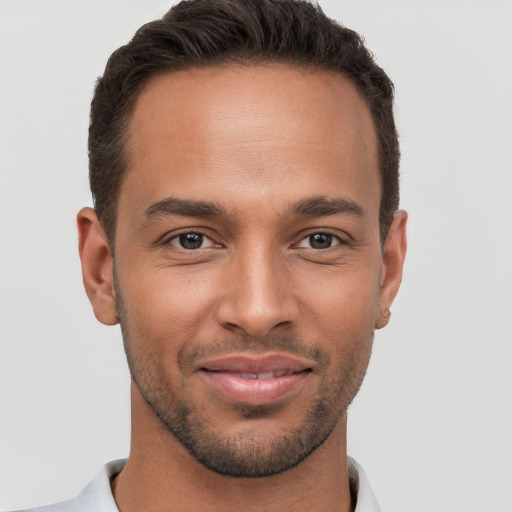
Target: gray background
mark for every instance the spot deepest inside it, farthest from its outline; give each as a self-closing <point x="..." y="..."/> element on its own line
<point x="432" y="425"/>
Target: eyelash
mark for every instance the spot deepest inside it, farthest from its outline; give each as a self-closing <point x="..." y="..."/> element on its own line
<point x="197" y="232"/>
<point x="334" y="240"/>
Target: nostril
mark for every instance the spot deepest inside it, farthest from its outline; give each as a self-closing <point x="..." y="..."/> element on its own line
<point x="255" y="317"/>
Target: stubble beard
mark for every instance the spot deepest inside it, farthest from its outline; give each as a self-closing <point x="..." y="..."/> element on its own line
<point x="249" y="454"/>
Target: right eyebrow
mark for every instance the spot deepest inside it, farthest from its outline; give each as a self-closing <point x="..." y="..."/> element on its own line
<point x="185" y="208"/>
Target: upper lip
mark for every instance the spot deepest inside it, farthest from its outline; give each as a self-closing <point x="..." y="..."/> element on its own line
<point x="255" y="363"/>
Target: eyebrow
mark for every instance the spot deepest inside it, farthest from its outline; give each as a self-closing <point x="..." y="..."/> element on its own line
<point x="185" y="208"/>
<point x="321" y="206"/>
<point x="318" y="206"/>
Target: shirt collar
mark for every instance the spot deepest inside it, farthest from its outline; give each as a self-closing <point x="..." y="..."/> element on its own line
<point x="98" y="492"/>
<point x="361" y="489"/>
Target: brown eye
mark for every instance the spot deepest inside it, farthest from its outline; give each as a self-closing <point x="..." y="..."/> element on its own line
<point x="190" y="241"/>
<point x="319" y="241"/>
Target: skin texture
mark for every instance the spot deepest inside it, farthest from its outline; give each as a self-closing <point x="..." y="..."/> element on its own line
<point x="279" y="154"/>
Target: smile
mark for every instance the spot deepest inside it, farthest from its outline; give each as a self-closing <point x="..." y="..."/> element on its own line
<point x="256" y="379"/>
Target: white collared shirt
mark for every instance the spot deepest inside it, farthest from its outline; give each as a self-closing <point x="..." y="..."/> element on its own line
<point x="97" y="495"/>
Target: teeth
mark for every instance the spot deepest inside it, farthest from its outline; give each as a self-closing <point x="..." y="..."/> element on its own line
<point x="263" y="376"/>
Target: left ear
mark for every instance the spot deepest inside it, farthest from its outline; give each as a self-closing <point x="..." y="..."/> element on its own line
<point x="393" y="258"/>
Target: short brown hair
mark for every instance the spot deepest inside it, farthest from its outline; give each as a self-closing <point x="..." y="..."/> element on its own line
<point x="197" y="33"/>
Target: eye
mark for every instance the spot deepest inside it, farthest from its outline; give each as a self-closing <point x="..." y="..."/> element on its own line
<point x="191" y="240"/>
<point x="319" y="241"/>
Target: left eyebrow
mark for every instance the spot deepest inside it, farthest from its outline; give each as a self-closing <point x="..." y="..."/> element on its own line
<point x="320" y="206"/>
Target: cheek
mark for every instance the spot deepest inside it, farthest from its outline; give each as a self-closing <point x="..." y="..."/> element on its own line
<point x="341" y="298"/>
<point x="340" y="315"/>
<point x="164" y="305"/>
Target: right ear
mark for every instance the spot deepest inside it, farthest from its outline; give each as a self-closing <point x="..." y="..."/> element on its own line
<point x="97" y="266"/>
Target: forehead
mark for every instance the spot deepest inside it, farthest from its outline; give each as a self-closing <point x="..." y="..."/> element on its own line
<point x="207" y="130"/>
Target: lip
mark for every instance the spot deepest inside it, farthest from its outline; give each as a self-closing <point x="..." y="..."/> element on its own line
<point x="255" y="363"/>
<point x="224" y="374"/>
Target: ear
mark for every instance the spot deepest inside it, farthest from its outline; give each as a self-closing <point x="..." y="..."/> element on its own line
<point x="97" y="266"/>
<point x="393" y="258"/>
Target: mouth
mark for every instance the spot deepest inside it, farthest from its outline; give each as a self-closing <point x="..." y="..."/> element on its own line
<point x="255" y="379"/>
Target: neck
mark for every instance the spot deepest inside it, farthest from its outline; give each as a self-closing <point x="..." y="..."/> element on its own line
<point x="161" y="473"/>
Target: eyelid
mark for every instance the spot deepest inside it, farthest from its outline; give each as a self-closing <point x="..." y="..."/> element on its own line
<point x="336" y="240"/>
<point x="169" y="237"/>
<point x="342" y="238"/>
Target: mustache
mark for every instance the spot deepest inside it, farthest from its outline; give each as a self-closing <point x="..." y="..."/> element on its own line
<point x="257" y="345"/>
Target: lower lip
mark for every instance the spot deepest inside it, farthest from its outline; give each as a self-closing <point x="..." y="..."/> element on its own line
<point x="255" y="391"/>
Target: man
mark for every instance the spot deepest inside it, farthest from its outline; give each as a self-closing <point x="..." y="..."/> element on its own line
<point x="246" y="236"/>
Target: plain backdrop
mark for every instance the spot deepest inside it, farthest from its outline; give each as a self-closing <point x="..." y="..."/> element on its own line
<point x="432" y="424"/>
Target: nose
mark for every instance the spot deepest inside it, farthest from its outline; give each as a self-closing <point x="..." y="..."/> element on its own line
<point x="259" y="295"/>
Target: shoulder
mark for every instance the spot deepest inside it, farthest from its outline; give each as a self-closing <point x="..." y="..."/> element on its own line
<point x="96" y="496"/>
<point x="72" y="505"/>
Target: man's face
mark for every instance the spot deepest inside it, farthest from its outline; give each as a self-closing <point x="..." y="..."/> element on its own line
<point x="247" y="259"/>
